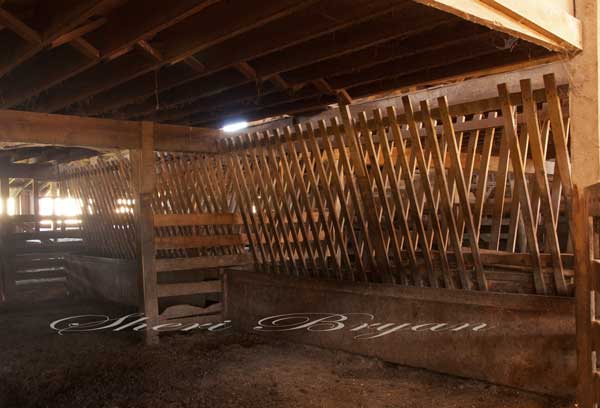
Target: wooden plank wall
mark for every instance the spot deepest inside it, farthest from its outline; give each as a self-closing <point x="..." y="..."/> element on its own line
<point x="475" y="196"/>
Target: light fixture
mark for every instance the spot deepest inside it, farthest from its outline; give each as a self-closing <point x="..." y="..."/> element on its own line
<point x="234" y="127"/>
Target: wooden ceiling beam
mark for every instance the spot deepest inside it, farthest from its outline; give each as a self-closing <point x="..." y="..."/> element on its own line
<point x="194" y="64"/>
<point x="292" y="108"/>
<point x="248" y="93"/>
<point x="143" y="19"/>
<point x="267" y="101"/>
<point x="85" y="48"/>
<point x="253" y="45"/>
<point x="541" y="23"/>
<point x="475" y="67"/>
<point x="10" y="21"/>
<point x="116" y="37"/>
<point x="78" y="32"/>
<point x="422" y="42"/>
<point x="316" y="72"/>
<point x="368" y="34"/>
<point x="62" y="130"/>
<point x="472" y="48"/>
<point x="62" y="22"/>
<point x="361" y="85"/>
<point x="153" y="52"/>
<point x="246" y="70"/>
<point x="202" y="87"/>
<point x="183" y="42"/>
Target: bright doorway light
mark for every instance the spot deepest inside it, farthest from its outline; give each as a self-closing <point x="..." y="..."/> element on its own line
<point x="234" y="127"/>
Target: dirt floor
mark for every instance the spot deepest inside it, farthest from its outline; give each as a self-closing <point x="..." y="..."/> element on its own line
<point x="39" y="368"/>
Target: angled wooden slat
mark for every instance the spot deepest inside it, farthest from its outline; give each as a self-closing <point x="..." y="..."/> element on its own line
<point x="245" y="202"/>
<point x="521" y="183"/>
<point x="245" y="218"/>
<point x="299" y="194"/>
<point x="408" y="175"/>
<point x="284" y="229"/>
<point x="559" y="136"/>
<point x="401" y="210"/>
<point x="541" y="177"/>
<point x="353" y="192"/>
<point x="341" y="237"/>
<point x="463" y="191"/>
<point x="383" y="201"/>
<point x="364" y="187"/>
<point x="339" y="189"/>
<point x="280" y="187"/>
<point x="429" y="197"/>
<point x="263" y="209"/>
<point x="516" y="226"/>
<point x="12" y="22"/>
<point x="291" y="192"/>
<point x="264" y="197"/>
<point x="442" y="185"/>
<point x="314" y="182"/>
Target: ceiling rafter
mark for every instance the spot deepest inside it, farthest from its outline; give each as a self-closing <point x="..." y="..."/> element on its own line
<point x="10" y="21"/>
<point x="350" y="61"/>
<point x="245" y="48"/>
<point x="119" y="38"/>
<point x="66" y="22"/>
<point x="182" y="45"/>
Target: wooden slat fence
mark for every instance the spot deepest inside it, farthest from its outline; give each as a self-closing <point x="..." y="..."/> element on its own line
<point x="472" y="196"/>
<point x="439" y="197"/>
<point x="187" y="185"/>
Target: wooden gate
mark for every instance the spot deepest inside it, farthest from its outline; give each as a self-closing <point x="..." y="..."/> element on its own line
<point x="586" y="220"/>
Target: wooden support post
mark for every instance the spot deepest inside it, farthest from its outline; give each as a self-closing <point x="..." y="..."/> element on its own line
<point x="36" y="203"/>
<point x="143" y="173"/>
<point x="6" y="253"/>
<point x="585" y="158"/>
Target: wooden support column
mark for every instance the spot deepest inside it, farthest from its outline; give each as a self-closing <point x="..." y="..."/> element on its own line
<point x="6" y="252"/>
<point x="585" y="157"/>
<point x="143" y="173"/>
<point x="36" y="203"/>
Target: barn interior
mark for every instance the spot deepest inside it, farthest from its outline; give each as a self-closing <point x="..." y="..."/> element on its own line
<point x="383" y="182"/>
